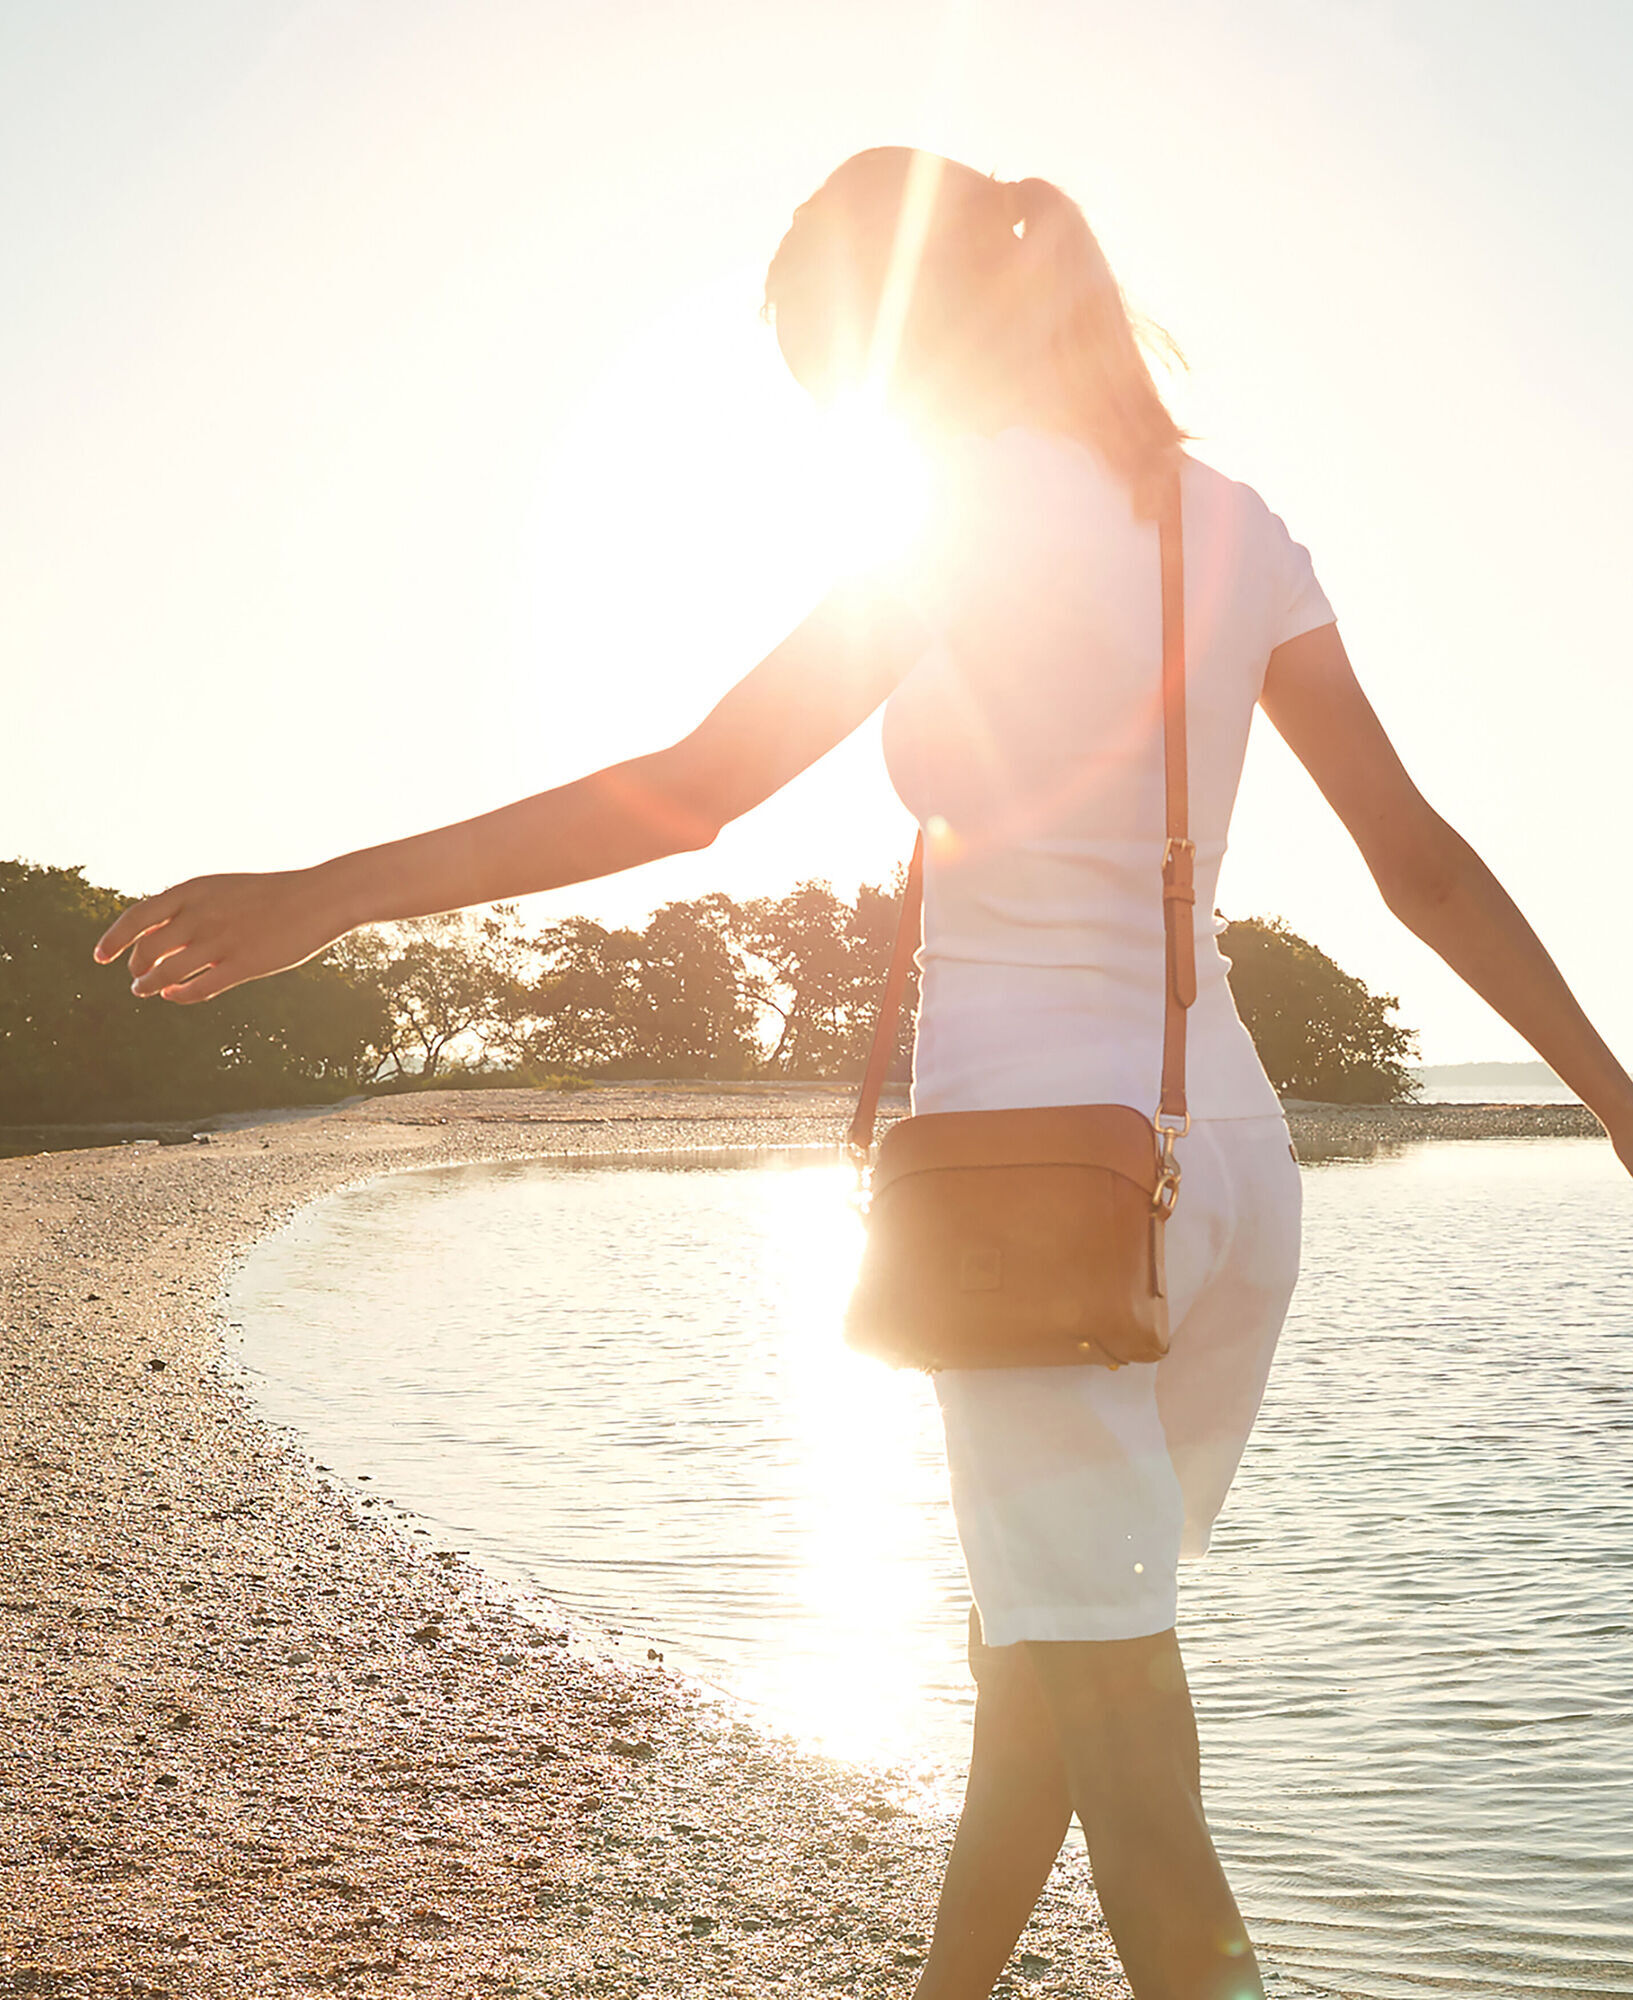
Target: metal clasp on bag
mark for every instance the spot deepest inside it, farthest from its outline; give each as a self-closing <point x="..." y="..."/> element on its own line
<point x="861" y="1158"/>
<point x="1166" y="1192"/>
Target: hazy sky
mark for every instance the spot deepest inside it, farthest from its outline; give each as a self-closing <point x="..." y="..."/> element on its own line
<point x="388" y="428"/>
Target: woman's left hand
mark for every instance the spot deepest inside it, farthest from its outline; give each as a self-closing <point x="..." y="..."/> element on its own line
<point x="216" y="931"/>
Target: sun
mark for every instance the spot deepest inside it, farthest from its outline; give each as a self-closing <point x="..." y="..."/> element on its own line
<point x="870" y="488"/>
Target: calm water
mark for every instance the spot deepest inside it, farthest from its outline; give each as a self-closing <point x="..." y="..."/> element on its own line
<point x="1412" y="1646"/>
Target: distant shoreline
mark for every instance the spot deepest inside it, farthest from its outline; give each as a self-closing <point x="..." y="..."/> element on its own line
<point x="1320" y="1130"/>
<point x="1487" y="1072"/>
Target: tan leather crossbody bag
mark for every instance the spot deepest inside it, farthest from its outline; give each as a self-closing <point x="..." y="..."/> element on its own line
<point x="1034" y="1238"/>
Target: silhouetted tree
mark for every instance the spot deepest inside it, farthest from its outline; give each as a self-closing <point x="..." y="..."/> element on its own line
<point x="454" y="985"/>
<point x="1320" y="1032"/>
<point x="582" y="1009"/>
<point x="826" y="961"/>
<point x="698" y="997"/>
<point x="677" y="998"/>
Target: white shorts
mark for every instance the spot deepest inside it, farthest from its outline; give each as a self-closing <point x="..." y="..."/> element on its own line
<point x="1077" y="1490"/>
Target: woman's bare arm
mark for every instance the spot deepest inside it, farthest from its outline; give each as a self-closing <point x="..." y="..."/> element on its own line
<point x="1429" y="875"/>
<point x="216" y="931"/>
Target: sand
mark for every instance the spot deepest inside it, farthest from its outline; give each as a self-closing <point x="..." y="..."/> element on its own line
<point x="257" y="1738"/>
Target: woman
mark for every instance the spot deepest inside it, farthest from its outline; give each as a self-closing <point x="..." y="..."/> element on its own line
<point x="1023" y="729"/>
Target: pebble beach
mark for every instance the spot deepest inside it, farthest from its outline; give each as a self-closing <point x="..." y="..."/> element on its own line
<point x="256" y="1737"/>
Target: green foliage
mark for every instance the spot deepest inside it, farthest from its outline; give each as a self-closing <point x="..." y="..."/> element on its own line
<point x="1320" y="1033"/>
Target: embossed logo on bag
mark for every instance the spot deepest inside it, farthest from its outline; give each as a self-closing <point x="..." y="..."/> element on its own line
<point x="980" y="1271"/>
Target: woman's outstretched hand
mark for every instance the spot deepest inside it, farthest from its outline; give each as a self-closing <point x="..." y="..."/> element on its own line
<point x="216" y="931"/>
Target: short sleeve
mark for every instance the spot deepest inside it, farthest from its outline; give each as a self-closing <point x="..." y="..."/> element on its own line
<point x="1299" y="604"/>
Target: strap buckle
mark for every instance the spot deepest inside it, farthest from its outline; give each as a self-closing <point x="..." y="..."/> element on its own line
<point x="1166" y="1192"/>
<point x="1176" y="843"/>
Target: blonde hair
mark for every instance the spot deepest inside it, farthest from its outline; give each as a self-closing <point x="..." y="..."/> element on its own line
<point x="964" y="296"/>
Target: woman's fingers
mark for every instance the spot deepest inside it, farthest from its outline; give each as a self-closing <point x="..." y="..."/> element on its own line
<point x="133" y="923"/>
<point x="162" y="942"/>
<point x="172" y="970"/>
<point x="205" y="985"/>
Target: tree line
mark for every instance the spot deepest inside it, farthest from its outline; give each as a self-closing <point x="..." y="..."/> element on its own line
<point x="775" y="987"/>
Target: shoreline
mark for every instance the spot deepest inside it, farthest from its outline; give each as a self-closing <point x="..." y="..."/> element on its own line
<point x="261" y="1739"/>
<point x="1321" y="1125"/>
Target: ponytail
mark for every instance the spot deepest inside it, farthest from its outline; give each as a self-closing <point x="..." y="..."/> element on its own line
<point x="1072" y="309"/>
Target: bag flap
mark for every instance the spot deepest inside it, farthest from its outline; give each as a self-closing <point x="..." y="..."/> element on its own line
<point x="1114" y="1137"/>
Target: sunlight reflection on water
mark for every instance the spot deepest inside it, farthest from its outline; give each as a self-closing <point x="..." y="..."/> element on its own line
<point x="622" y="1385"/>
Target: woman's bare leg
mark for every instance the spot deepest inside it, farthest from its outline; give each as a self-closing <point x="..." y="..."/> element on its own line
<point x="1015" y="1819"/>
<point x="1127" y="1733"/>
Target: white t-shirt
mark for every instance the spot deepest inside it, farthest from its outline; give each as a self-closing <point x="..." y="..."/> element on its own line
<point x="1028" y="744"/>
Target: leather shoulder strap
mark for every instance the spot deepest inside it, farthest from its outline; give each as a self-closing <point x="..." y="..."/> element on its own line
<point x="1178" y="867"/>
<point x="1178" y="850"/>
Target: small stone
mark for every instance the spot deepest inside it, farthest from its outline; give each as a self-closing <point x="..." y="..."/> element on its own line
<point x="624" y="1746"/>
<point x="156" y="1364"/>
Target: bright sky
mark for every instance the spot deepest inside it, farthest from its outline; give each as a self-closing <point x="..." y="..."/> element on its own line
<point x="389" y="430"/>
